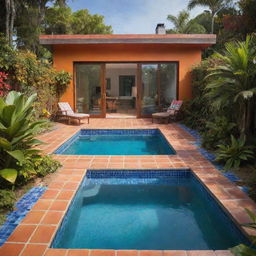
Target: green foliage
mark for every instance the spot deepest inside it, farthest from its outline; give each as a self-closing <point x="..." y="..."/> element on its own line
<point x="217" y="131"/>
<point x="37" y="165"/>
<point x="242" y="249"/>
<point x="17" y="133"/>
<point x="29" y="75"/>
<point x="214" y="6"/>
<point x="7" y="200"/>
<point x="62" y="80"/>
<point x="85" y="23"/>
<point x="198" y="110"/>
<point x="234" y="153"/>
<point x="183" y="25"/>
<point x="61" y="20"/>
<point x="231" y="84"/>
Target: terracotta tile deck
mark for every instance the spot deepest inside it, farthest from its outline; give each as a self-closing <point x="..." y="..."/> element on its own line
<point x="35" y="233"/>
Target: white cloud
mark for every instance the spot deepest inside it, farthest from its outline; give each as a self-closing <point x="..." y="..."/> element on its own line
<point x="144" y="20"/>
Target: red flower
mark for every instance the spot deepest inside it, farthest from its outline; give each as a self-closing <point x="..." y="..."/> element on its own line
<point x="4" y="87"/>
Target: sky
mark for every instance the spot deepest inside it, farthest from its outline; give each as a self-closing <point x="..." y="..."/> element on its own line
<point x="134" y="16"/>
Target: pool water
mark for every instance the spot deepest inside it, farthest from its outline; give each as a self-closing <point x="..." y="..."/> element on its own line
<point x="118" y="142"/>
<point x="146" y="210"/>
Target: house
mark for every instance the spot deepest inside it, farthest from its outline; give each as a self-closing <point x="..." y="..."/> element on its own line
<point x="127" y="75"/>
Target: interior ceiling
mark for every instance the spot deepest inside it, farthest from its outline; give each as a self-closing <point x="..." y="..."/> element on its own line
<point x="121" y="66"/>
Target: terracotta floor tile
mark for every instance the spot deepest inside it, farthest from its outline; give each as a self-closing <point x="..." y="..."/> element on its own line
<point x="43" y="234"/>
<point x="34" y="250"/>
<point x="174" y="253"/>
<point x="102" y="253"/>
<point x="65" y="195"/>
<point x="22" y="233"/>
<point x="11" y="249"/>
<point x="200" y="253"/>
<point x="223" y="253"/>
<point x="78" y="252"/>
<point x="50" y="194"/>
<point x="151" y="253"/>
<point x="52" y="217"/>
<point x="71" y="185"/>
<point x="58" y="205"/>
<point x="56" y="185"/>
<point x="42" y="204"/>
<point x="56" y="252"/>
<point x="33" y="217"/>
<point x="127" y="253"/>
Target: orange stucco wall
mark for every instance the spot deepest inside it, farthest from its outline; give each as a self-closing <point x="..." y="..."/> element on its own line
<point x="65" y="55"/>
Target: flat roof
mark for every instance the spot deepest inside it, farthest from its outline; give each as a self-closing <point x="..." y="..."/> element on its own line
<point x="187" y="39"/>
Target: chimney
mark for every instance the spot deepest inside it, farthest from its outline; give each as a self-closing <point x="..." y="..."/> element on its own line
<point x="160" y="29"/>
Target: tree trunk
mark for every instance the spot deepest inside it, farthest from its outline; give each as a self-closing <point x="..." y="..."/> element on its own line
<point x="249" y="118"/>
<point x="12" y="18"/>
<point x="7" y="19"/>
<point x="212" y="24"/>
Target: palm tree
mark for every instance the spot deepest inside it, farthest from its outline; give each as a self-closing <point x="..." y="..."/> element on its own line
<point x="214" y="5"/>
<point x="183" y="25"/>
<point x="232" y="83"/>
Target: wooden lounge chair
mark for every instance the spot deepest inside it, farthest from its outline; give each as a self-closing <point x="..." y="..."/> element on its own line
<point x="171" y="112"/>
<point x="66" y="111"/>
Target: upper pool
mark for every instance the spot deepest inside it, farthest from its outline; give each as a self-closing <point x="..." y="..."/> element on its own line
<point x="117" y="142"/>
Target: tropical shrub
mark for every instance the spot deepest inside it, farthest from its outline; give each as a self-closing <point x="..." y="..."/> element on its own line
<point x="231" y="85"/>
<point x="29" y="74"/>
<point x="234" y="153"/>
<point x="7" y="199"/>
<point x="217" y="131"/>
<point x="196" y="111"/>
<point x="36" y="165"/>
<point x="242" y="249"/>
<point x="17" y="132"/>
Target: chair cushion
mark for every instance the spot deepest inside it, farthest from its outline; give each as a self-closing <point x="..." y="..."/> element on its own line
<point x="64" y="106"/>
<point x="78" y="115"/>
<point x="161" y="114"/>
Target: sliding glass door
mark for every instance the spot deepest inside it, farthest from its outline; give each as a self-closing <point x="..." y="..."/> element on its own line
<point x="158" y="87"/>
<point x="89" y="88"/>
<point x="150" y="87"/>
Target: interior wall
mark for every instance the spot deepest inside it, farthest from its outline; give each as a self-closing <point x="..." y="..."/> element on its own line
<point x="113" y="74"/>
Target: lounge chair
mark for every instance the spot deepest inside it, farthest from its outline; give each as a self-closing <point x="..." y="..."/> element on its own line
<point x="171" y="112"/>
<point x="66" y="111"/>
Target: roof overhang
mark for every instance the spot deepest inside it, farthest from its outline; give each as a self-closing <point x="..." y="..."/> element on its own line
<point x="172" y="39"/>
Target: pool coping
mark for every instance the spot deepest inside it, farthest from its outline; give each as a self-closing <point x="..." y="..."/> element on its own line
<point x="38" y="228"/>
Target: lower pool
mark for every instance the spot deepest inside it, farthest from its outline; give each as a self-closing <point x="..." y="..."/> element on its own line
<point x="117" y="142"/>
<point x="146" y="210"/>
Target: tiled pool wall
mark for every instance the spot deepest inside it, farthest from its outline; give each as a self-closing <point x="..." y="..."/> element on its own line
<point x="90" y="132"/>
<point x="177" y="173"/>
<point x="23" y="206"/>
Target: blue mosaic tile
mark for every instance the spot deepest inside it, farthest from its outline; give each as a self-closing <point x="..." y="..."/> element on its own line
<point x="23" y="206"/>
<point x="119" y="132"/>
<point x="139" y="174"/>
<point x="209" y="156"/>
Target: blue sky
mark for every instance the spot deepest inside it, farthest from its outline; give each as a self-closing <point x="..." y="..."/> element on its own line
<point x="134" y="16"/>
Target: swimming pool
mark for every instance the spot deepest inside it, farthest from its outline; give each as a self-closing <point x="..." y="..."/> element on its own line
<point x="117" y="142"/>
<point x="145" y="210"/>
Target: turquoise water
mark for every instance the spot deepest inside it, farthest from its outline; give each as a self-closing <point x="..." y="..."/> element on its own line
<point x="171" y="213"/>
<point x="119" y="145"/>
